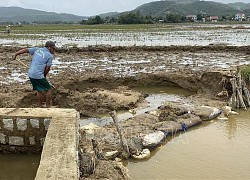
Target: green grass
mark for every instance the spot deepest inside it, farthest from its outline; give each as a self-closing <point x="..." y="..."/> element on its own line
<point x="245" y="71"/>
<point x="77" y="27"/>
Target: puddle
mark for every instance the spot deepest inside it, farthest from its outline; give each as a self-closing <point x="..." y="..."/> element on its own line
<point x="157" y="96"/>
<point x="18" y="166"/>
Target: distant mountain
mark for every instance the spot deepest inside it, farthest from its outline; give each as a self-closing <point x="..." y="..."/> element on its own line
<point x="17" y="14"/>
<point x="240" y="6"/>
<point x="161" y="8"/>
<point x="109" y="14"/>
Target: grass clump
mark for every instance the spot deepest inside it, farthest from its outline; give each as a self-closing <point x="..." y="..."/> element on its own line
<point x="245" y="72"/>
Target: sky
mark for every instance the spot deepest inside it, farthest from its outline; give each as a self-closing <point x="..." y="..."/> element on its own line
<point x="85" y="7"/>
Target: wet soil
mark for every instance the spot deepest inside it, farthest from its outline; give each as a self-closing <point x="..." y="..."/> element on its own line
<point x="106" y="83"/>
<point x="96" y="80"/>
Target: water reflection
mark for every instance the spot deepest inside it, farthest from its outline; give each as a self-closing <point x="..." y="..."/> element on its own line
<point x="231" y="128"/>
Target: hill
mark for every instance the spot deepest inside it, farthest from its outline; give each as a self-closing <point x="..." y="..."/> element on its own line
<point x="17" y="14"/>
<point x="240" y="6"/>
<point x="161" y="8"/>
<point x="109" y="14"/>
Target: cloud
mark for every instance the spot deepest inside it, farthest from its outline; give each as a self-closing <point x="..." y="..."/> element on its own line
<point x="84" y="7"/>
<point x="11" y="3"/>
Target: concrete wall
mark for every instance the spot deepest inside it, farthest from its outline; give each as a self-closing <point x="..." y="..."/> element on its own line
<point x="25" y="135"/>
<point x="24" y="129"/>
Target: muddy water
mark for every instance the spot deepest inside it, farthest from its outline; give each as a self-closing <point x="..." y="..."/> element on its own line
<point x="156" y="96"/>
<point x="215" y="150"/>
<point x="18" y="167"/>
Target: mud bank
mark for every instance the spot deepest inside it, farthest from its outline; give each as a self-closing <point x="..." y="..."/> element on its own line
<point x="97" y="94"/>
<point x="107" y="48"/>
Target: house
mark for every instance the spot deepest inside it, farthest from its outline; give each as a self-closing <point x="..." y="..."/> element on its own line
<point x="192" y="18"/>
<point x="213" y="18"/>
<point x="240" y="17"/>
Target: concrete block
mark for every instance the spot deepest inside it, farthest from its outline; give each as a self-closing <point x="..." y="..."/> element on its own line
<point x="46" y="123"/>
<point x="34" y="123"/>
<point x="2" y="138"/>
<point x="15" y="140"/>
<point x="32" y="140"/>
<point x="8" y="124"/>
<point x="21" y="124"/>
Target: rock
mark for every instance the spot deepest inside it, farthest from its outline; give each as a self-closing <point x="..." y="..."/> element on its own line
<point x="145" y="153"/>
<point x="111" y="154"/>
<point x="134" y="145"/>
<point x="118" y="159"/>
<point x="154" y="139"/>
<point x="90" y="128"/>
<point x="223" y="93"/>
<point x="155" y="112"/>
<point x="227" y="110"/>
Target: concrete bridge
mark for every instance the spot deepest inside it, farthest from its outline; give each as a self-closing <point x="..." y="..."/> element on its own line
<point x="54" y="130"/>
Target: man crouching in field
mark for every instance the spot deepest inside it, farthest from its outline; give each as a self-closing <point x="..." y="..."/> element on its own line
<point x="39" y="68"/>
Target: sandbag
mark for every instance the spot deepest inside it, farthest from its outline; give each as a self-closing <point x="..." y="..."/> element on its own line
<point x="206" y="112"/>
<point x="153" y="139"/>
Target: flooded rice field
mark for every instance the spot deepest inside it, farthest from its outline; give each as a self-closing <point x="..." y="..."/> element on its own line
<point x="214" y="150"/>
<point x="141" y="35"/>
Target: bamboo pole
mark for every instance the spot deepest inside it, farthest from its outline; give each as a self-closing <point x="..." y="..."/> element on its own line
<point x="240" y="98"/>
<point x="242" y="104"/>
<point x="124" y="145"/>
<point x="234" y="101"/>
<point x="246" y="93"/>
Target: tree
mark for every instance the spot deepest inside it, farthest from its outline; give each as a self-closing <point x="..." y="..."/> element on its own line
<point x="199" y="17"/>
<point x="174" y="18"/>
<point x="93" y="20"/>
<point x="134" y="18"/>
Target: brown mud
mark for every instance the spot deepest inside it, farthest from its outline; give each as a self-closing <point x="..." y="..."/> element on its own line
<point x="94" y="90"/>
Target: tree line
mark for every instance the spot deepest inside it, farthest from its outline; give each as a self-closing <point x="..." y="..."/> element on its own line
<point x="138" y="18"/>
<point x="134" y="18"/>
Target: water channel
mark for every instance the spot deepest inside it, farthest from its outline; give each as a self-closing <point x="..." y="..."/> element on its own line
<point x="18" y="166"/>
<point x="214" y="150"/>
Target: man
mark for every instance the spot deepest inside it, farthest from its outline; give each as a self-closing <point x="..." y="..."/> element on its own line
<point x="39" y="68"/>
